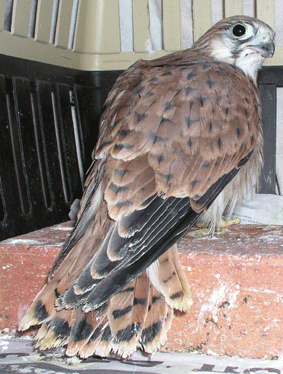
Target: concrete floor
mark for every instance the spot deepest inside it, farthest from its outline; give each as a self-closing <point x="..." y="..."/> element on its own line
<point x="17" y="355"/>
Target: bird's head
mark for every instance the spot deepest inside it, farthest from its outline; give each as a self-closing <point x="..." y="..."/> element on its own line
<point x="241" y="41"/>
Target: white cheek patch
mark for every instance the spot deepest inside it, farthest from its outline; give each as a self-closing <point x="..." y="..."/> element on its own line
<point x="250" y="62"/>
<point x="220" y="51"/>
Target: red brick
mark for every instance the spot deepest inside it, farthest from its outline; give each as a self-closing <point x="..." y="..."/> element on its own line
<point x="25" y="263"/>
<point x="236" y="281"/>
<point x="237" y="286"/>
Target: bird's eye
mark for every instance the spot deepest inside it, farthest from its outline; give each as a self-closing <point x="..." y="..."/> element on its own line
<point x="239" y="30"/>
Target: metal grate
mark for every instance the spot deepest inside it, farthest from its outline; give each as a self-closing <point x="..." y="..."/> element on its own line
<point x="49" y="124"/>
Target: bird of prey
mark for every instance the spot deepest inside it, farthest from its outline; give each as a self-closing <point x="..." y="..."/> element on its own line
<point x="180" y="141"/>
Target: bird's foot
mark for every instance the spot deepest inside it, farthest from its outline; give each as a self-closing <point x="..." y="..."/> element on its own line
<point x="225" y="223"/>
<point x="204" y="231"/>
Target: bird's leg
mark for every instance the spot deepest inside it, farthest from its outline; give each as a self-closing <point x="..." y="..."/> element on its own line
<point x="204" y="230"/>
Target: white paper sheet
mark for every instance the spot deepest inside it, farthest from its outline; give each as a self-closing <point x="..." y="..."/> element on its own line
<point x="262" y="209"/>
<point x="19" y="356"/>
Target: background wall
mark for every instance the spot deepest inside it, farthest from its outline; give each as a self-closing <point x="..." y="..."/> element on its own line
<point x="112" y="34"/>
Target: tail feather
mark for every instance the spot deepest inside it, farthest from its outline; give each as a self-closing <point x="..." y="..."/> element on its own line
<point x="42" y="308"/>
<point x="127" y="315"/>
<point x="99" y="343"/>
<point x="157" y="323"/>
<point x="88" y="326"/>
<point x="168" y="277"/>
<point x="139" y="316"/>
<point x="55" y="331"/>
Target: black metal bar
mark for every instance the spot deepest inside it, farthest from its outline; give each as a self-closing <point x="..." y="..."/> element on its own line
<point x="268" y="176"/>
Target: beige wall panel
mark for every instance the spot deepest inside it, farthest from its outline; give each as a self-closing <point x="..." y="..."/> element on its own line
<point x="21" y="14"/>
<point x="2" y="13"/>
<point x="120" y="61"/>
<point x="172" y="25"/>
<point x="43" y="21"/>
<point x="202" y="17"/>
<point x="233" y="8"/>
<point x="63" y="25"/>
<point x="141" y="25"/>
<point x="265" y="11"/>
<point x="97" y="29"/>
<point x="27" y="48"/>
<point x="92" y="19"/>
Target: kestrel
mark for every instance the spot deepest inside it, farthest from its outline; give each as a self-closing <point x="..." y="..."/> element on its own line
<point x="180" y="141"/>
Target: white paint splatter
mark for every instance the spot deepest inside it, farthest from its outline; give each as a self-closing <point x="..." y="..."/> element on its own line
<point x="21" y="241"/>
<point x="62" y="228"/>
<point x="223" y="293"/>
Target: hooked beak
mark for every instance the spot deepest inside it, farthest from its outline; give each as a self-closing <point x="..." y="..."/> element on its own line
<point x="265" y="49"/>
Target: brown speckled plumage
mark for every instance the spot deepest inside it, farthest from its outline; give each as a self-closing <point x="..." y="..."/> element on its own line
<point x="180" y="140"/>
